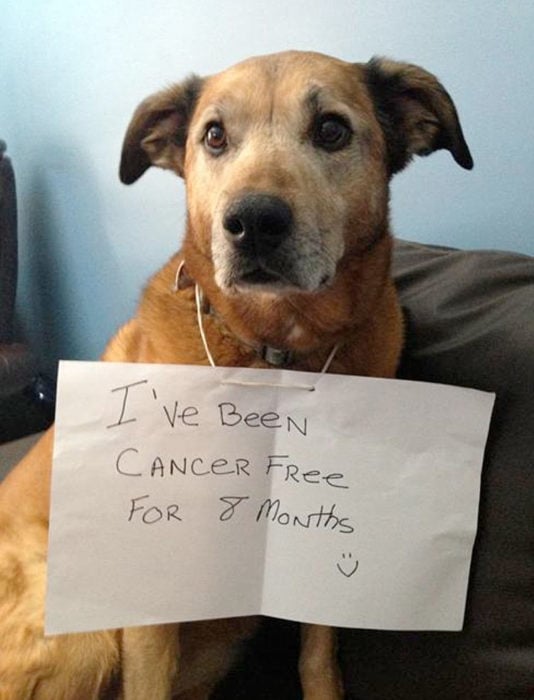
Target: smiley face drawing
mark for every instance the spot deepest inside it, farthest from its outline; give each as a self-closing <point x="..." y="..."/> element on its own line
<point x="349" y="566"/>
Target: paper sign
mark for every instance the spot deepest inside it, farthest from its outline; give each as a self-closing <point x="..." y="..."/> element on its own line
<point x="186" y="493"/>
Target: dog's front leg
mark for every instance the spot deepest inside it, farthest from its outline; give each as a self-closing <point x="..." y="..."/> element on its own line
<point x="320" y="676"/>
<point x="150" y="660"/>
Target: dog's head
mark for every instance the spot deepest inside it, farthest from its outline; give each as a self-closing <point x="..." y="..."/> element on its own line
<point x="287" y="160"/>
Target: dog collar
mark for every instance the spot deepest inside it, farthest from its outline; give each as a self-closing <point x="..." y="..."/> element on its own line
<point x="277" y="357"/>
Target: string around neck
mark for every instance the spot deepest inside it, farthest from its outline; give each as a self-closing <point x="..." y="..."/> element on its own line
<point x="202" y="331"/>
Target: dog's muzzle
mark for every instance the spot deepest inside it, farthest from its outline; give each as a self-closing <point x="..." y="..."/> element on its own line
<point x="258" y="222"/>
<point x="257" y="225"/>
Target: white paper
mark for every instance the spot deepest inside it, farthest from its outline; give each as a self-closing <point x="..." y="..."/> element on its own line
<point x="179" y="495"/>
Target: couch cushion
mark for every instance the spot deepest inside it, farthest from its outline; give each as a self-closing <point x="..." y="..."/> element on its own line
<point x="470" y="323"/>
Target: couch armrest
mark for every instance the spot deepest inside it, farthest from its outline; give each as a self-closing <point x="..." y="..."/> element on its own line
<point x="8" y="246"/>
<point x="470" y="322"/>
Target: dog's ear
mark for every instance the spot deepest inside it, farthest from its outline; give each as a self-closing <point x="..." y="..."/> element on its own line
<point x="416" y="113"/>
<point x="158" y="131"/>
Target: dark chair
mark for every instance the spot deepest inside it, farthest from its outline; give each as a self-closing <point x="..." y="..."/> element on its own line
<point x="25" y="396"/>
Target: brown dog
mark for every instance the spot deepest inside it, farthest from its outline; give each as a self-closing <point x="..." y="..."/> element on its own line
<point x="287" y="161"/>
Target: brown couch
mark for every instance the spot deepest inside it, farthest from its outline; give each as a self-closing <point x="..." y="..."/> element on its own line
<point x="470" y="323"/>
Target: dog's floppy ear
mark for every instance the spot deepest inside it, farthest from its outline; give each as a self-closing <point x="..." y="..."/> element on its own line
<point x="416" y="113"/>
<point x="158" y="130"/>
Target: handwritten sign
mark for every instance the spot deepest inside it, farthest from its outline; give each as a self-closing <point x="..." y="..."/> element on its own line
<point x="186" y="493"/>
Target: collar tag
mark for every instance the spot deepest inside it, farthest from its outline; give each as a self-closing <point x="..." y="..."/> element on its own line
<point x="275" y="356"/>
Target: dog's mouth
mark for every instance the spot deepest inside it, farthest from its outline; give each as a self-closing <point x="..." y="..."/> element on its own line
<point x="278" y="273"/>
<point x="262" y="277"/>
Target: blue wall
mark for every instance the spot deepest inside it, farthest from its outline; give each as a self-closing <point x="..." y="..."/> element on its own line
<point x="71" y="74"/>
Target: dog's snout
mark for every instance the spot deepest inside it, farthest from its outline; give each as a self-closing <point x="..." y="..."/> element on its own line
<point x="258" y="218"/>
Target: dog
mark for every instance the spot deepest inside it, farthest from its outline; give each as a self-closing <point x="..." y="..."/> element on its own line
<point x="287" y="161"/>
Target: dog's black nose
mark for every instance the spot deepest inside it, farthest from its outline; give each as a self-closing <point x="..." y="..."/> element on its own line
<point x="259" y="219"/>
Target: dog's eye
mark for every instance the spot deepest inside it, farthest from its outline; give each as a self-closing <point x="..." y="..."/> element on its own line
<point x="215" y="138"/>
<point x="331" y="132"/>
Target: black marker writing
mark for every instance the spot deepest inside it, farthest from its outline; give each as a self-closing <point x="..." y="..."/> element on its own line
<point x="296" y="475"/>
<point x="232" y="502"/>
<point x="127" y="464"/>
<point x="118" y="463"/>
<point x="328" y="519"/>
<point x="152" y="514"/>
<point x="348" y="567"/>
<point x="122" y="420"/>
<point x="229" y="416"/>
<point x="186" y="417"/>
